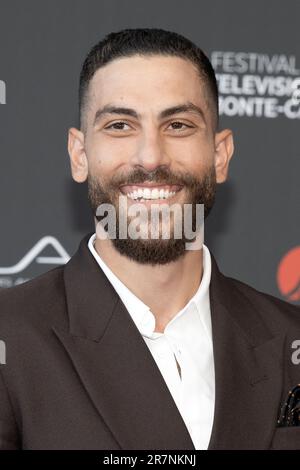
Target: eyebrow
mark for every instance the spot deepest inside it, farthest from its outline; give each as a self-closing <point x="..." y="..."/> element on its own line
<point x="188" y="107"/>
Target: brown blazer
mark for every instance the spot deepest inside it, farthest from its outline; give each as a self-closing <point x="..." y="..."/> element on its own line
<point x="78" y="374"/>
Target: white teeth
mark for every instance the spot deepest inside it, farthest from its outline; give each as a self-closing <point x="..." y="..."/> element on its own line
<point x="147" y="193"/>
<point x="154" y="194"/>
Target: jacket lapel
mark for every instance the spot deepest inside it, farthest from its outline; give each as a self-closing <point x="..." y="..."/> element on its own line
<point x="248" y="370"/>
<point x="114" y="364"/>
<point x="126" y="387"/>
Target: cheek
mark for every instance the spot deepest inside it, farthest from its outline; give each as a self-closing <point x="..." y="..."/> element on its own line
<point x="195" y="155"/>
<point x="109" y="152"/>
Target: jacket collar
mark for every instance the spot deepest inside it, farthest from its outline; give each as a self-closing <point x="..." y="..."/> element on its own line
<point x="125" y="384"/>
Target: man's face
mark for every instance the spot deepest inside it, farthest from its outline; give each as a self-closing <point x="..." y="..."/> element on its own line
<point x="144" y="145"/>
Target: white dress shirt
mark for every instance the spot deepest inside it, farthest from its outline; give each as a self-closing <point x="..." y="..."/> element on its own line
<point x="183" y="352"/>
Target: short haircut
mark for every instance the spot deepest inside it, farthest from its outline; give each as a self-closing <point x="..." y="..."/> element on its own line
<point x="147" y="42"/>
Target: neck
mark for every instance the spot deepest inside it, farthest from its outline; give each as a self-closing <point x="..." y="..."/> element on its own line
<point x="166" y="289"/>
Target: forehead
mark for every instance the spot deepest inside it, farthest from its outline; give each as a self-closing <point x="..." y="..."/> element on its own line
<point x="150" y="81"/>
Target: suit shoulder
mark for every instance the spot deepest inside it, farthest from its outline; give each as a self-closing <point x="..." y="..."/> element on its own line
<point x="270" y="307"/>
<point x="37" y="297"/>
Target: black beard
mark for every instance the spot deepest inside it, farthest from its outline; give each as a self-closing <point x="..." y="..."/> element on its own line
<point x="154" y="251"/>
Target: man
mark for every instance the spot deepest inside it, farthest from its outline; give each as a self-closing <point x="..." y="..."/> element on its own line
<point x="141" y="343"/>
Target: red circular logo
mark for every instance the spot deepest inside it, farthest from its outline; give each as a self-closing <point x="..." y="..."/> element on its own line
<point x="288" y="275"/>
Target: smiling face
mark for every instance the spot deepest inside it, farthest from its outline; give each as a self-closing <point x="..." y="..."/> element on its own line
<point x="149" y="135"/>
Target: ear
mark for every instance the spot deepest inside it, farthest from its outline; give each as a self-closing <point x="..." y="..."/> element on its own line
<point x="224" y="148"/>
<point x="78" y="159"/>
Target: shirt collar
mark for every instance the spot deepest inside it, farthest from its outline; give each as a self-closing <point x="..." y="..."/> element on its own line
<point x="141" y="313"/>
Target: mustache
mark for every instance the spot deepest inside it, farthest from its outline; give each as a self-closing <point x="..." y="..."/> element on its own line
<point x="160" y="175"/>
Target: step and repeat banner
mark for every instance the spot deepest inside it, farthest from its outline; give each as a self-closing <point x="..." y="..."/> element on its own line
<point x="254" y="228"/>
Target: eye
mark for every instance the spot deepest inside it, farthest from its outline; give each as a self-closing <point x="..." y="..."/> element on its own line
<point x="178" y="124"/>
<point x="118" y="125"/>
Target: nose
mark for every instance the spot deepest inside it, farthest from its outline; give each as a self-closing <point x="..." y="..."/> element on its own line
<point x="150" y="151"/>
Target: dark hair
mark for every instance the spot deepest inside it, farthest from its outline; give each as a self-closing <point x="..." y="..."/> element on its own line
<point x="148" y="41"/>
